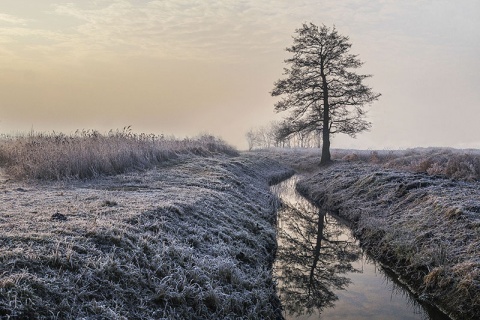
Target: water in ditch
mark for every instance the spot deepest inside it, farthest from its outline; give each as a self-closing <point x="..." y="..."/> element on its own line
<point x="322" y="273"/>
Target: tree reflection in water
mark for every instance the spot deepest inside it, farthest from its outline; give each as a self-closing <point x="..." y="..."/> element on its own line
<point x="313" y="255"/>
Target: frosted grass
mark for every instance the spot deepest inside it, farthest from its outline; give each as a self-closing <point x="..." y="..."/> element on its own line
<point x="424" y="227"/>
<point x="459" y="164"/>
<point x="417" y="211"/>
<point x="191" y="239"/>
<point x="89" y="153"/>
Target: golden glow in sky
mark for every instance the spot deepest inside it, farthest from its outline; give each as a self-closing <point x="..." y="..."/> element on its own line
<point x="185" y="67"/>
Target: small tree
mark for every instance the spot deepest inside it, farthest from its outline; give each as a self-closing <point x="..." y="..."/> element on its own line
<point x="251" y="139"/>
<point x="319" y="89"/>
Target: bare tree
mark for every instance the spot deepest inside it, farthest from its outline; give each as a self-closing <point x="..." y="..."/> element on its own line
<point x="281" y="134"/>
<point x="313" y="260"/>
<point x="319" y="90"/>
<point x="264" y="136"/>
<point x="251" y="137"/>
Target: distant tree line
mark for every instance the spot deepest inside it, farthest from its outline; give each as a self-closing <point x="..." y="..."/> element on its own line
<point x="282" y="135"/>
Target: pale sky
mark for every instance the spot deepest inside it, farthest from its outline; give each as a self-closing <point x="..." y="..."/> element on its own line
<point x="185" y="67"/>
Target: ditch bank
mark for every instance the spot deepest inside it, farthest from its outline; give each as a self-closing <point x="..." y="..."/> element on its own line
<point x="424" y="228"/>
<point x="192" y="239"/>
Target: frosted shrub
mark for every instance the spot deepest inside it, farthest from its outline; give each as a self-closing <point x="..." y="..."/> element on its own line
<point x="464" y="166"/>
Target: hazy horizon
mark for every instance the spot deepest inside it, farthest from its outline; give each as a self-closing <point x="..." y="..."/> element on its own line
<point x="189" y="67"/>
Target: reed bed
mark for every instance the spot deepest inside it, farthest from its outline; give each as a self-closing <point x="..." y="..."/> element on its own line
<point x="89" y="153"/>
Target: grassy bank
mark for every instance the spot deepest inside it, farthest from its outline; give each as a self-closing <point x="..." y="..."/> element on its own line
<point x="457" y="164"/>
<point x="192" y="238"/>
<point x="423" y="225"/>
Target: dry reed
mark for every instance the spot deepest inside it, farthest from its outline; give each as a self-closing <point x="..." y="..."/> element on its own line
<point x="88" y="153"/>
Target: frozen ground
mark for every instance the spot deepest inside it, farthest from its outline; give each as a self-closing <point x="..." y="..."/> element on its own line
<point x="191" y="239"/>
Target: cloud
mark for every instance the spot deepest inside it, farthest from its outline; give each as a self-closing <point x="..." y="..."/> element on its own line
<point x="12" y="19"/>
<point x="230" y="29"/>
<point x="220" y="30"/>
<point x="181" y="29"/>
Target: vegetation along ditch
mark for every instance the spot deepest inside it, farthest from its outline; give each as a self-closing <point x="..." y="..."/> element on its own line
<point x="190" y="234"/>
<point x="424" y="225"/>
<point x="158" y="228"/>
<point x="322" y="272"/>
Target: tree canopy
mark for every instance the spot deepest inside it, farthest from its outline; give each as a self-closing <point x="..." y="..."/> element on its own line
<point x="321" y="89"/>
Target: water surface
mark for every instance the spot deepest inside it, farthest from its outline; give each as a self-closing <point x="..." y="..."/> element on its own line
<point x="322" y="273"/>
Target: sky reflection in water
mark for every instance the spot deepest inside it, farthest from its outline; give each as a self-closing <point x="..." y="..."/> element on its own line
<point x="322" y="272"/>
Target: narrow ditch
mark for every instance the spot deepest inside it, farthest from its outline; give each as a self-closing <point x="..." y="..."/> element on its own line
<point x="323" y="273"/>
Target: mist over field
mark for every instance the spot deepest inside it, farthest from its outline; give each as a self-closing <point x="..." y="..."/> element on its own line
<point x="189" y="67"/>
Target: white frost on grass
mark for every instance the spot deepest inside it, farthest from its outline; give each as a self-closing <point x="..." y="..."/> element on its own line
<point x="190" y="239"/>
<point x="426" y="227"/>
<point x="459" y="164"/>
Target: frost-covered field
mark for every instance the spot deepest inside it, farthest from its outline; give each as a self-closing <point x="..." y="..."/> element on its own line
<point x="423" y="224"/>
<point x="459" y="164"/>
<point x="191" y="238"/>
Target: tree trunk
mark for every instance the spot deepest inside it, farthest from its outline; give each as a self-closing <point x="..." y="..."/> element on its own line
<point x="326" y="158"/>
<point x="318" y="246"/>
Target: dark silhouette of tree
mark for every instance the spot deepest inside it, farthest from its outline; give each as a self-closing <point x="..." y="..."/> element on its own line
<point x="320" y="90"/>
<point x="311" y="260"/>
